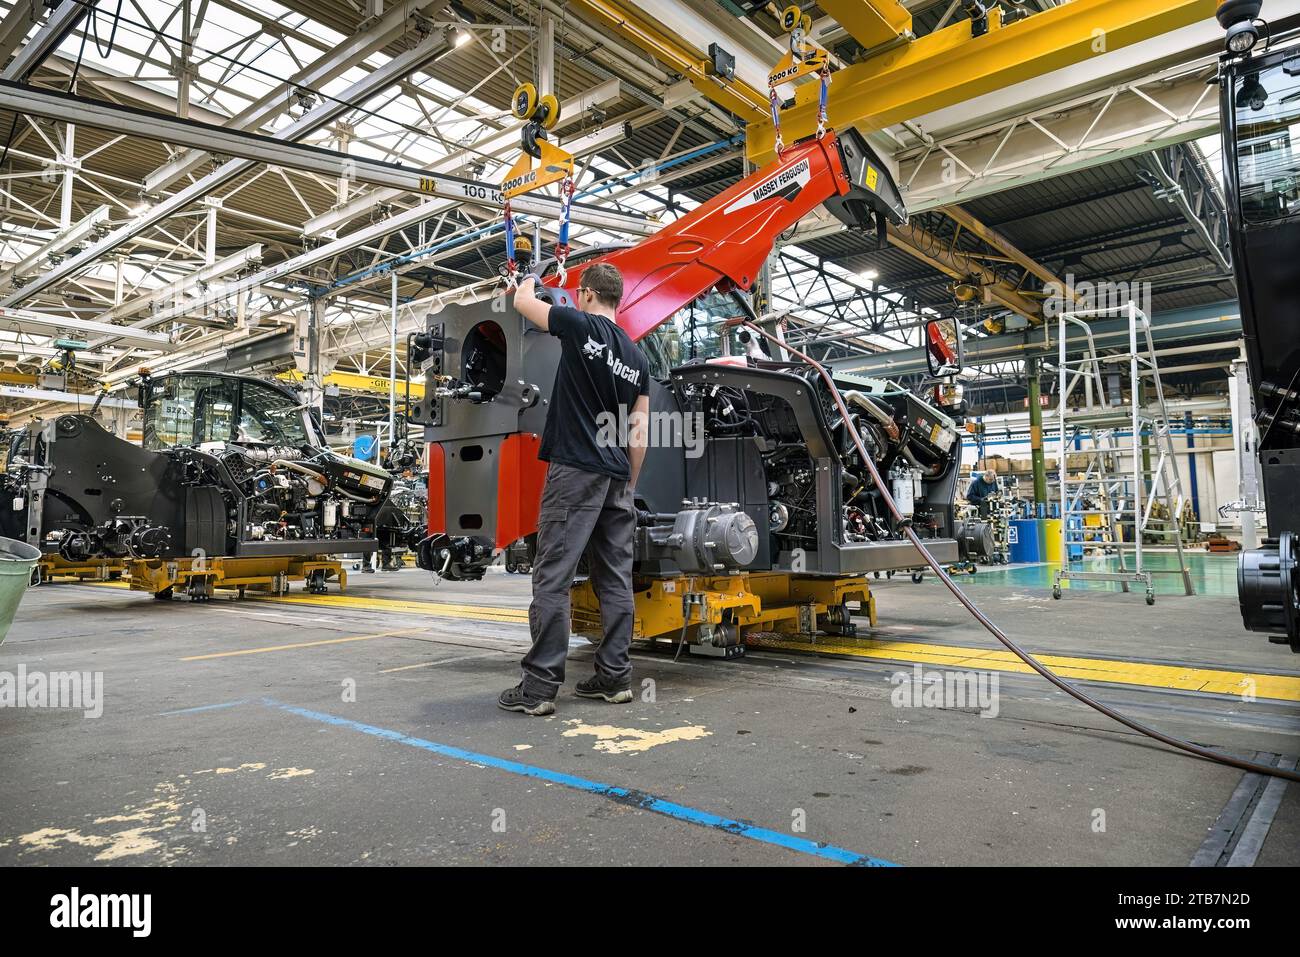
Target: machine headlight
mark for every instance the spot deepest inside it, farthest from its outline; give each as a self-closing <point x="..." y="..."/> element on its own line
<point x="1238" y="18"/>
<point x="1242" y="37"/>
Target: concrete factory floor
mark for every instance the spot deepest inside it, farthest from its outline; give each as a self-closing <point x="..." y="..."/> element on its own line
<point x="363" y="729"/>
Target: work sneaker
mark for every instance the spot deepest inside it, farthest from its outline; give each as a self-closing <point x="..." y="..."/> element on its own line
<point x="607" y="689"/>
<point x="517" y="699"/>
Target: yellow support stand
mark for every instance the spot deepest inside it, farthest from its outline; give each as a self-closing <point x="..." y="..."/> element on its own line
<point x="721" y="613"/>
<point x="200" y="577"/>
<point x="54" y="567"/>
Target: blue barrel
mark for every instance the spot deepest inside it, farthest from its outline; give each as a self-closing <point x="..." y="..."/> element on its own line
<point x="1075" y="539"/>
<point x="1022" y="537"/>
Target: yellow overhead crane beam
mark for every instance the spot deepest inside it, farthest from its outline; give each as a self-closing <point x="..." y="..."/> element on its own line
<point x="355" y="382"/>
<point x="731" y="94"/>
<point x="910" y="78"/>
<point x="872" y="23"/>
<point x="949" y="66"/>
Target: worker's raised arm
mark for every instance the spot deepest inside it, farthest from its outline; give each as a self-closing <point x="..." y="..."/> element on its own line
<point x="638" y="436"/>
<point x="530" y="307"/>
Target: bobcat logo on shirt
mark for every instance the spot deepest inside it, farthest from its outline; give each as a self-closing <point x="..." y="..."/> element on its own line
<point x="593" y="348"/>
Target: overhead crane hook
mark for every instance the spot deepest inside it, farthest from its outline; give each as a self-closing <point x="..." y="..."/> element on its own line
<point x="554" y="166"/>
<point x="803" y="58"/>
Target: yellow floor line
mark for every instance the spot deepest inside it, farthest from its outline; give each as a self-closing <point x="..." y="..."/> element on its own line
<point x="300" y="644"/>
<point x="1177" y="677"/>
<point x="440" y="608"/>
<point x="1274" y="687"/>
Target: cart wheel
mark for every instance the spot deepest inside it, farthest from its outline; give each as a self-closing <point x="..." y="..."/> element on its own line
<point x="1056" y="592"/>
<point x="970" y="568"/>
<point x="524" y="102"/>
<point x="1151" y="598"/>
<point x="917" y="578"/>
<point x="35" y="578"/>
<point x="163" y="594"/>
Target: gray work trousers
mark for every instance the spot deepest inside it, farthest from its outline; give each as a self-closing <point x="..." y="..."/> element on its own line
<point x="580" y="511"/>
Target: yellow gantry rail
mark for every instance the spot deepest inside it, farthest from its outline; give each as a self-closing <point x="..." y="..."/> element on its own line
<point x="872" y="23"/>
<point x="355" y="382"/>
<point x="736" y="96"/>
<point x="950" y="66"/>
<point x="916" y="77"/>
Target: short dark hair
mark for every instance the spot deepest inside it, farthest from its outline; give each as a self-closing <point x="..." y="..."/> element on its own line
<point x="605" y="281"/>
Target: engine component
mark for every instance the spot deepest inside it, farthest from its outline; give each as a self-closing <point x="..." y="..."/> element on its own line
<point x="127" y="537"/>
<point x="975" y="541"/>
<point x="459" y="558"/>
<point x="1268" y="590"/>
<point x="903" y="486"/>
<point x="706" y="537"/>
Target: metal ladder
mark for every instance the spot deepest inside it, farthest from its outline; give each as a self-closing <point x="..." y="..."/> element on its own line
<point x="1127" y="501"/>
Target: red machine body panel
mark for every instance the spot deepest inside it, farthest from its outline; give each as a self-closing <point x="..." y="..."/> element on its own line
<point x="725" y="240"/>
<point x="436" y="514"/>
<point x="520" y="476"/>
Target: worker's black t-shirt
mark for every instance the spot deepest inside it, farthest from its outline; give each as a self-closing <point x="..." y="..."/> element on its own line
<point x="600" y="370"/>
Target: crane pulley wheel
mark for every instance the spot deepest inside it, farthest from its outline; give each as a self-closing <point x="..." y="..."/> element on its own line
<point x="548" y="111"/>
<point x="524" y="103"/>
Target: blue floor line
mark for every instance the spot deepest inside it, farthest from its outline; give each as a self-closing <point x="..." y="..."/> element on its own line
<point x="204" y="707"/>
<point x="639" y="799"/>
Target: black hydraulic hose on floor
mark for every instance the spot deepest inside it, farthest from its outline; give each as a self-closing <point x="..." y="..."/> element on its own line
<point x="993" y="629"/>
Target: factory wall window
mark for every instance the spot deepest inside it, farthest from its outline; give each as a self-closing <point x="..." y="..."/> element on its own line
<point x="1268" y="131"/>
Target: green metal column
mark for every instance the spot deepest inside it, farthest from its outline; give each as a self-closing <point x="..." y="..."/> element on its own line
<point x="1036" y="432"/>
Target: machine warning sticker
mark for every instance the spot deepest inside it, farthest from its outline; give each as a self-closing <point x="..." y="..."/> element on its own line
<point x="786" y="183"/>
<point x="872" y="178"/>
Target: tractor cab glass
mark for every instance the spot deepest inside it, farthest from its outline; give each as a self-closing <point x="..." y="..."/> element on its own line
<point x="703" y="330"/>
<point x="192" y="410"/>
<point x="1267" y="107"/>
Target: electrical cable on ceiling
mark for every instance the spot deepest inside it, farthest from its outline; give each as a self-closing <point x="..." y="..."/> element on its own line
<point x="905" y="525"/>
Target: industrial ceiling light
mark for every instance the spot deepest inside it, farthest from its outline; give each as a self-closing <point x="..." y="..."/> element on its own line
<point x="965" y="291"/>
<point x="1238" y="18"/>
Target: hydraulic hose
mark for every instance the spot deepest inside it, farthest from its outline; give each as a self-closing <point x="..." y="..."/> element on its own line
<point x="993" y="629"/>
